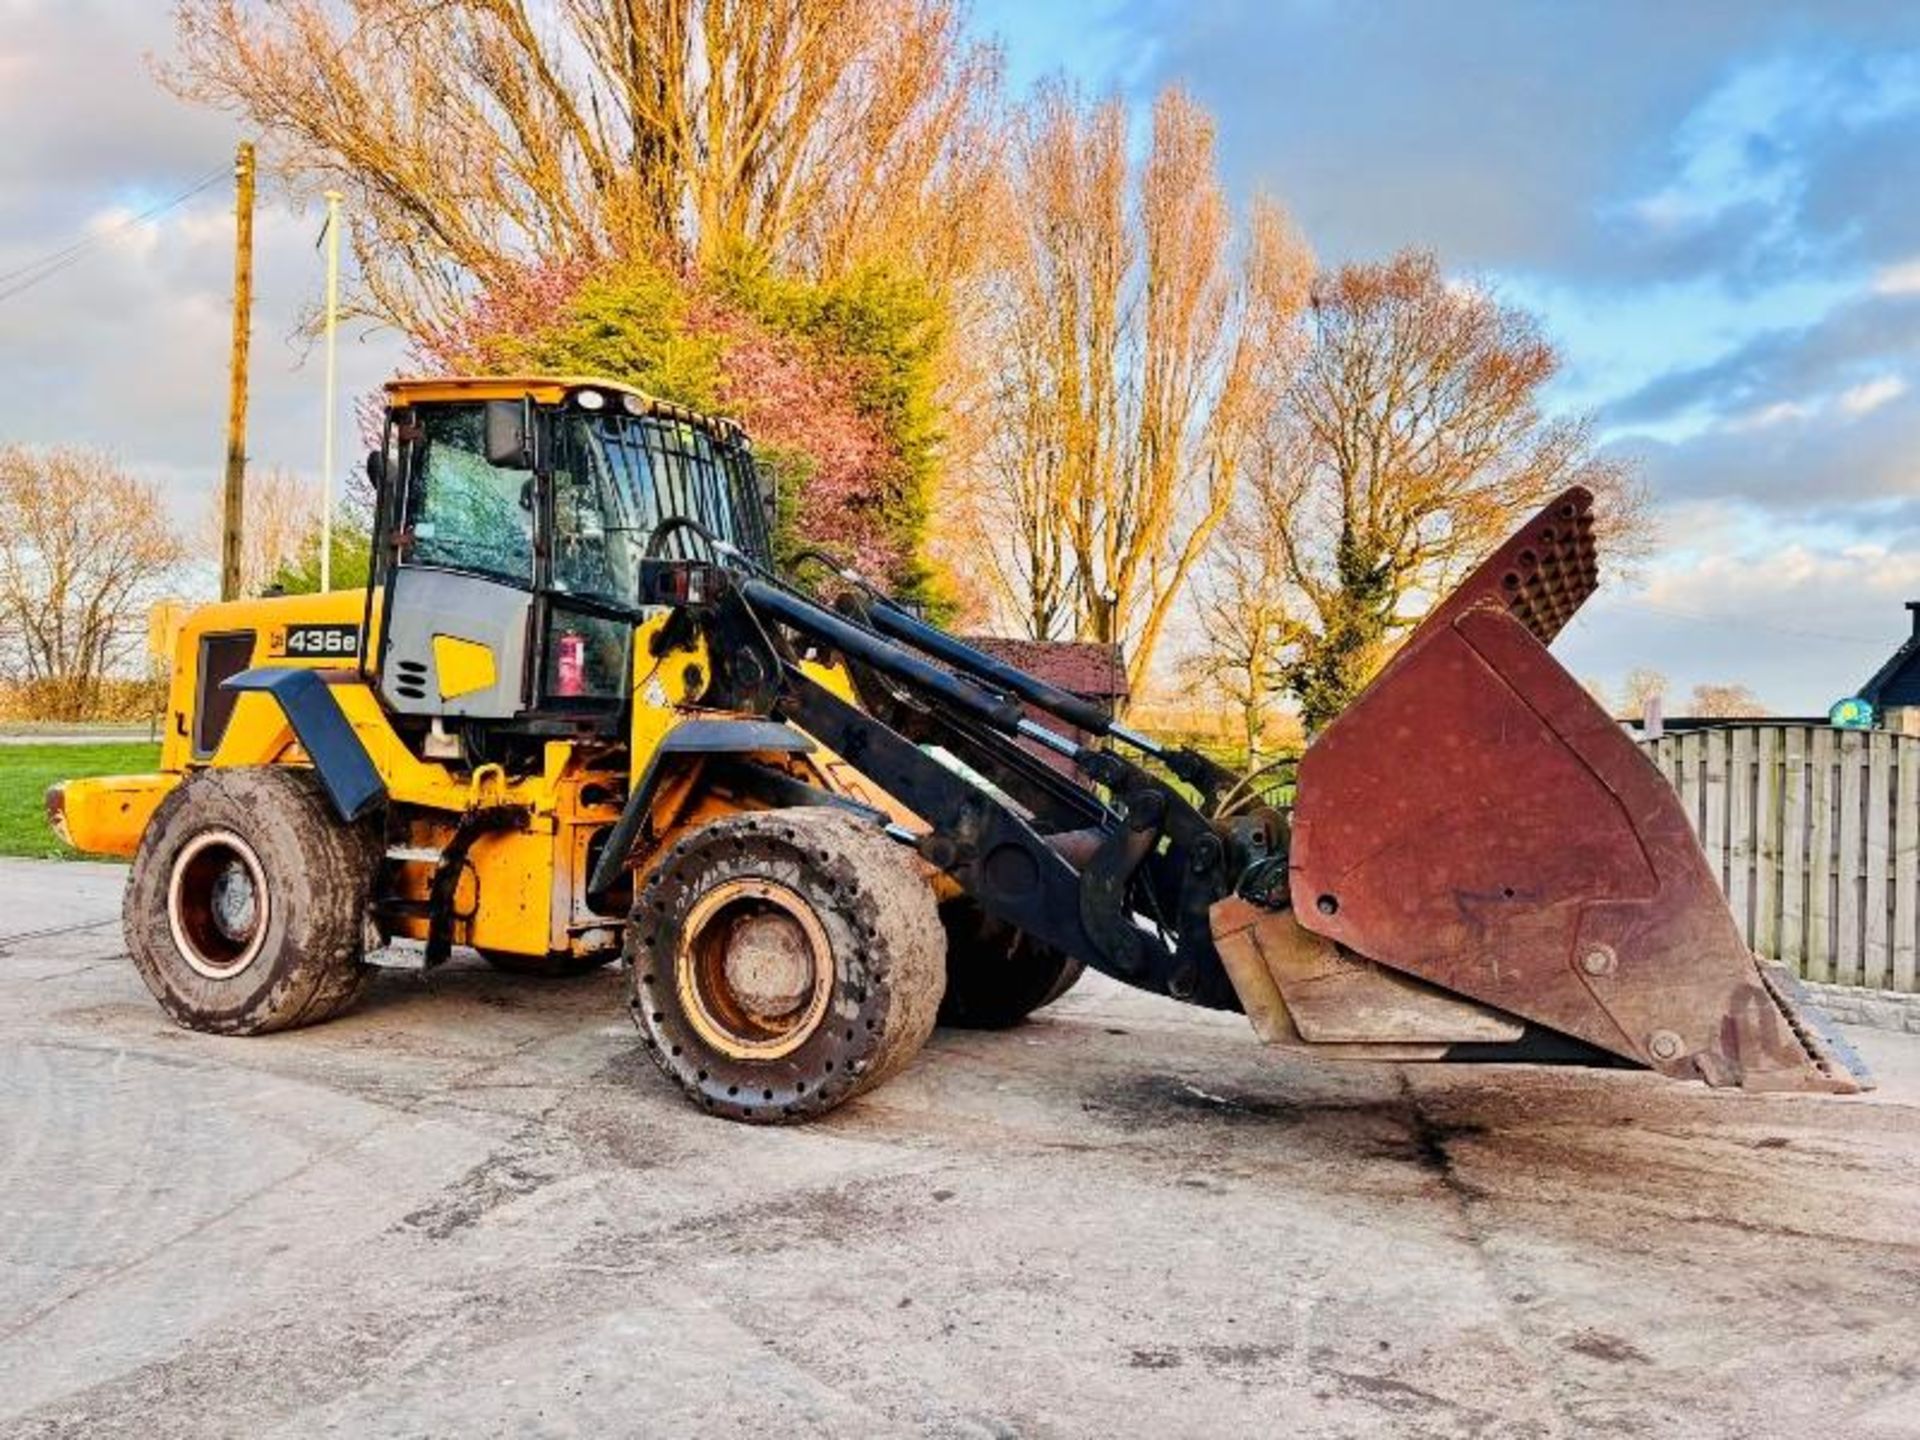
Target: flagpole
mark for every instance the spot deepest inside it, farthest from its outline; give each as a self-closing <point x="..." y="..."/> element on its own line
<point x="333" y="321"/>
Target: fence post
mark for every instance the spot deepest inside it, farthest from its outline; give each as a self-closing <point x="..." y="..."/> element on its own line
<point x="1740" y="837"/>
<point x="1906" y="863"/>
<point x="1766" y="851"/>
<point x="1794" y="823"/>
<point x="1847" y="910"/>
<point x="1874" y="899"/>
<point x="1820" y="860"/>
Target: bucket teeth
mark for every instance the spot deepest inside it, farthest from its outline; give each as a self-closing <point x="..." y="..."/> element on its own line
<point x="1828" y="1053"/>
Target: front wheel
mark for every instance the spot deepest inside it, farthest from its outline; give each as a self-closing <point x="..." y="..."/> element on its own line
<point x="997" y="975"/>
<point x="784" y="961"/>
<point x="245" y="908"/>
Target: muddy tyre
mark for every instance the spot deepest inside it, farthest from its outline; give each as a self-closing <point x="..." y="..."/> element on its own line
<point x="555" y="965"/>
<point x="245" y="910"/>
<point x="997" y="975"/>
<point x="784" y="961"/>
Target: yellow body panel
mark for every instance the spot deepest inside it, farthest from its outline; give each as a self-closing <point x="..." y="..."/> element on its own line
<point x="109" y="814"/>
<point x="463" y="666"/>
<point x="257" y="728"/>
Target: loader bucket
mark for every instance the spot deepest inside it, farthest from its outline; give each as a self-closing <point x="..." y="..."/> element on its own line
<point x="1475" y="821"/>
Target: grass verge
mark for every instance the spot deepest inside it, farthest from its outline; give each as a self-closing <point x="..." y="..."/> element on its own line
<point x="27" y="770"/>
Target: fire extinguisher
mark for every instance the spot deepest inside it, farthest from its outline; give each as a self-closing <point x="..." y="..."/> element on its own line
<point x="570" y="664"/>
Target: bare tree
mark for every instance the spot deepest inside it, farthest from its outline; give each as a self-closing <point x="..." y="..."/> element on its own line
<point x="1641" y="685"/>
<point x="479" y="137"/>
<point x="1139" y="360"/>
<point x="1724" y="702"/>
<point x="1422" y="443"/>
<point x="1247" y="607"/>
<point x="282" y="516"/>
<point x="84" y="547"/>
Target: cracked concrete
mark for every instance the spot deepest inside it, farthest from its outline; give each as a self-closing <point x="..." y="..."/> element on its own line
<point x="470" y="1207"/>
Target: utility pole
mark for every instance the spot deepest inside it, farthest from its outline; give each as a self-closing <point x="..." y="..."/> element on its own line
<point x="326" y="448"/>
<point x="236" y="492"/>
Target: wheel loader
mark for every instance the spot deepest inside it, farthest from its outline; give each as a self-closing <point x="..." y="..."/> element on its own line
<point x="577" y="716"/>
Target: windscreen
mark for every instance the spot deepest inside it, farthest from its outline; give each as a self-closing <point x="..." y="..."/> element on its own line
<point x="657" y="468"/>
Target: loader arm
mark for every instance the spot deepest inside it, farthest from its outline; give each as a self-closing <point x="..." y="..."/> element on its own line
<point x="1481" y="866"/>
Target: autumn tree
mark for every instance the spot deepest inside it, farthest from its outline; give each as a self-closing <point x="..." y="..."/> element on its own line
<point x="84" y="548"/>
<point x="1724" y="702"/>
<point x="1641" y="685"/>
<point x="282" y="518"/>
<point x="1419" y="443"/>
<point x="477" y="137"/>
<point x="1246" y="607"/>
<point x="1141" y="343"/>
<point x="835" y="380"/>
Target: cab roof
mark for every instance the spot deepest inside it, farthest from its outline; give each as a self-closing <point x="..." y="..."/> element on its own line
<point x="546" y="390"/>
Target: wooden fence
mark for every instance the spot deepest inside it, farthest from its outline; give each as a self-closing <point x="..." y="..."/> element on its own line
<point x="1815" y="836"/>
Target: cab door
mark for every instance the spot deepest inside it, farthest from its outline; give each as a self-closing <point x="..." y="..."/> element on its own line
<point x="457" y="627"/>
<point x="590" y="578"/>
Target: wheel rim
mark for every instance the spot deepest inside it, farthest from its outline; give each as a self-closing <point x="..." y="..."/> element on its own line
<point x="217" y="904"/>
<point x="754" y="969"/>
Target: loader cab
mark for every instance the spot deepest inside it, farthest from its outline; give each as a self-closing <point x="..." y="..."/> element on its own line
<point x="512" y="518"/>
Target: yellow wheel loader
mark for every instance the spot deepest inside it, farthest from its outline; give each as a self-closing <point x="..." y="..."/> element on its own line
<point x="576" y="716"/>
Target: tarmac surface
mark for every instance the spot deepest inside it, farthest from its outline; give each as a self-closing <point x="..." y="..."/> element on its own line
<point x="472" y="1208"/>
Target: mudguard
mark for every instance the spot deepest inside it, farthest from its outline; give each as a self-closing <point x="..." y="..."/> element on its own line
<point x="351" y="780"/>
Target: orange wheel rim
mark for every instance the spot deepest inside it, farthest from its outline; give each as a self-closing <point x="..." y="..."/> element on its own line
<point x="753" y="969"/>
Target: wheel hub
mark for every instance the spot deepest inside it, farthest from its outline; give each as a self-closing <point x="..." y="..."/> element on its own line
<point x="217" y="904"/>
<point x="769" y="966"/>
<point x="754" y="969"/>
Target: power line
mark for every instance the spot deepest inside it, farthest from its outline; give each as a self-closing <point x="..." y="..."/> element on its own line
<point x="25" y="277"/>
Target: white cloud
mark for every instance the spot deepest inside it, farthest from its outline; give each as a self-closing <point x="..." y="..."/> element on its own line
<point x="1781" y="412"/>
<point x="1871" y="395"/>
<point x="1800" y="622"/>
<point x="1901" y="279"/>
<point x="126" y="350"/>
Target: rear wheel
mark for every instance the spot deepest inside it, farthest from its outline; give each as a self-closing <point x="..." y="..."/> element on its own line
<point x="997" y="975"/>
<point x="784" y="961"/>
<point x="245" y="908"/>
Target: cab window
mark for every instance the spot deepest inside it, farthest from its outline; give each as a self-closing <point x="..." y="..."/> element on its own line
<point x="464" y="513"/>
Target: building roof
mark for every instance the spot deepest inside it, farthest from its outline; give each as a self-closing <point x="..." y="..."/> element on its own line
<point x="1898" y="681"/>
<point x="1083" y="667"/>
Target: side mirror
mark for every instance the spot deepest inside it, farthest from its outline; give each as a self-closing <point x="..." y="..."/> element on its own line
<point x="377" y="469"/>
<point x="510" y="434"/>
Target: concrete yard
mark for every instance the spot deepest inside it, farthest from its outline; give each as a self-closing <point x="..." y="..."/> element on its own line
<point x="471" y="1208"/>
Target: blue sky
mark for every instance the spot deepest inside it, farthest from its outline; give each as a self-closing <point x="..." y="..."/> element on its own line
<point x="1713" y="204"/>
<point x="1715" y="207"/>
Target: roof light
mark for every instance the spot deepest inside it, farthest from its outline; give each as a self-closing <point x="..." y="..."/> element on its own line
<point x="590" y="399"/>
<point x="633" y="404"/>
